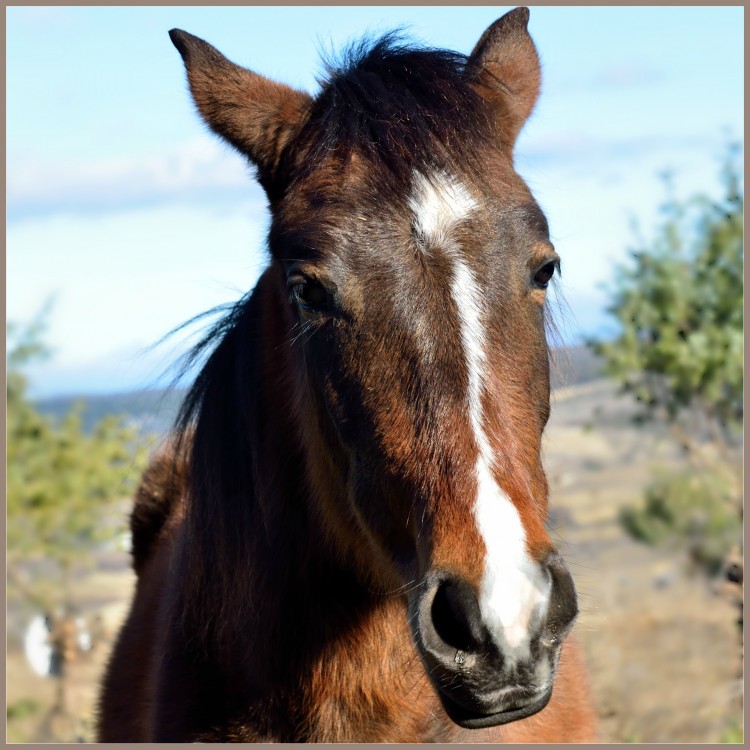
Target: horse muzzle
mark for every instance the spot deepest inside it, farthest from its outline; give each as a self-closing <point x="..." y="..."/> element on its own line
<point x="484" y="679"/>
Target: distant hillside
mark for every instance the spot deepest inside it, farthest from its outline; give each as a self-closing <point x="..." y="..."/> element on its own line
<point x="574" y="366"/>
<point x="153" y="411"/>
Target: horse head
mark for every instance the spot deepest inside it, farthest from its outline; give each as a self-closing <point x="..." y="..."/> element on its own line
<point x="410" y="264"/>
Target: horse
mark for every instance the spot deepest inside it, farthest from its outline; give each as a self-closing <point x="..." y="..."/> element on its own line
<point x="345" y="538"/>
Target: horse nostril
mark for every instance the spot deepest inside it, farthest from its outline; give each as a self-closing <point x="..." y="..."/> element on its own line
<point x="456" y="617"/>
<point x="563" y="600"/>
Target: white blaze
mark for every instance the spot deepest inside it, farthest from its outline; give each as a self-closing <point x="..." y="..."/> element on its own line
<point x="438" y="204"/>
<point x="512" y="584"/>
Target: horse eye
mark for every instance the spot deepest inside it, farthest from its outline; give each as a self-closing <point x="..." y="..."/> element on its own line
<point x="544" y="275"/>
<point x="310" y="295"/>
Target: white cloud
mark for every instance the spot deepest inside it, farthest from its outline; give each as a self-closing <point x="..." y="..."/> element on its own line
<point x="49" y="16"/>
<point x="583" y="152"/>
<point x="628" y="73"/>
<point x="122" y="281"/>
<point x="201" y="170"/>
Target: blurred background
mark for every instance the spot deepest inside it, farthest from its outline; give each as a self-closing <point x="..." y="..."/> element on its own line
<point x="125" y="218"/>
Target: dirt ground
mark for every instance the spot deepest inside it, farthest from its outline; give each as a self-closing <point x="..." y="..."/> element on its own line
<point x="662" y="647"/>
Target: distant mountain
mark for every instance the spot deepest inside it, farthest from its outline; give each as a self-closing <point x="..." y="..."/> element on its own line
<point x="574" y="365"/>
<point x="149" y="411"/>
<point x="153" y="411"/>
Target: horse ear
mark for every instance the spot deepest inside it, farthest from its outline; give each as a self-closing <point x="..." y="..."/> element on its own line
<point x="256" y="115"/>
<point x="508" y="72"/>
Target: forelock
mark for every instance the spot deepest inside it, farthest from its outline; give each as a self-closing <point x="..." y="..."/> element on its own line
<point x="401" y="108"/>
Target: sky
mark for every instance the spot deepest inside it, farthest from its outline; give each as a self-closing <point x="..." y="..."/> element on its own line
<point x="128" y="217"/>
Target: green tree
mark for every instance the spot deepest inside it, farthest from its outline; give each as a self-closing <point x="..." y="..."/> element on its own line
<point x="63" y="486"/>
<point x="679" y="352"/>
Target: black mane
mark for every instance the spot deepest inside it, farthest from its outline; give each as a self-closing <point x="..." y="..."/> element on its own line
<point x="398" y="105"/>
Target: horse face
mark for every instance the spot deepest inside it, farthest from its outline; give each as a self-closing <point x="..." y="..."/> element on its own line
<point x="419" y="330"/>
<point x="414" y="300"/>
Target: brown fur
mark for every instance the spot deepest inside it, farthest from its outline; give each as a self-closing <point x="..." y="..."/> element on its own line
<point x="366" y="686"/>
<point x="511" y="76"/>
<point x="160" y="489"/>
<point x="320" y="487"/>
<point x="257" y="116"/>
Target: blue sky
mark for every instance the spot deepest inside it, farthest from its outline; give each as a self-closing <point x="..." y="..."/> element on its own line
<point x="125" y="210"/>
